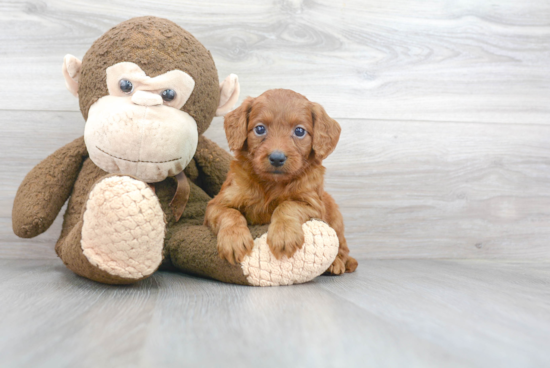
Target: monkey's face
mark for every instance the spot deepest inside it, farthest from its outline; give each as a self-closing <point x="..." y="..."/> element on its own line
<point x="139" y="129"/>
<point x="147" y="89"/>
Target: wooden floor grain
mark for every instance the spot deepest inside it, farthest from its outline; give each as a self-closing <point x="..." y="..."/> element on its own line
<point x="442" y="175"/>
<point x="390" y="313"/>
<point x="406" y="189"/>
<point x="395" y="59"/>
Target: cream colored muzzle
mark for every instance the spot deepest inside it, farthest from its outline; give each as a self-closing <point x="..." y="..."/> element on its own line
<point x="134" y="135"/>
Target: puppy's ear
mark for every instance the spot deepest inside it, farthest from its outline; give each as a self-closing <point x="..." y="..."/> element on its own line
<point x="236" y="125"/>
<point x="326" y="132"/>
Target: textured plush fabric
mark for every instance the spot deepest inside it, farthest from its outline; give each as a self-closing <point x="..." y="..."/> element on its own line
<point x="316" y="255"/>
<point x="123" y="228"/>
<point x="200" y="260"/>
<point x="70" y="251"/>
<point x="149" y="143"/>
<point x="209" y="158"/>
<point x="35" y="208"/>
<point x="188" y="246"/>
<point x="157" y="46"/>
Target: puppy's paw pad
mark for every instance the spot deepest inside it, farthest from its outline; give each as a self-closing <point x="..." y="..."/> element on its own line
<point x="123" y="229"/>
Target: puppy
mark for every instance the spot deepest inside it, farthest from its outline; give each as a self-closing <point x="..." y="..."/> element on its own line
<point x="279" y="140"/>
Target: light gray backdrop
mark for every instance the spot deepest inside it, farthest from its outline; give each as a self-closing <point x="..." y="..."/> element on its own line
<point x="445" y="154"/>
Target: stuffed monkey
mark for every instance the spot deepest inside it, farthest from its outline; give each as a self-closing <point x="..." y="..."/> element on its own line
<point x="139" y="179"/>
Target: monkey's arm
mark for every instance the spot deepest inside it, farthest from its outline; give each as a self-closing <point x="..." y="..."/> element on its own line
<point x="46" y="188"/>
<point x="213" y="165"/>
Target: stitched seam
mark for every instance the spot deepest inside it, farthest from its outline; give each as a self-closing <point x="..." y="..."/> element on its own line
<point x="149" y="162"/>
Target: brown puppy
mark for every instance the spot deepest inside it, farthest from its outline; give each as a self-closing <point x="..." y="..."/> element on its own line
<point x="279" y="140"/>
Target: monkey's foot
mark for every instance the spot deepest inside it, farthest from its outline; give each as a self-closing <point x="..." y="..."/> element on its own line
<point x="316" y="255"/>
<point x="123" y="229"/>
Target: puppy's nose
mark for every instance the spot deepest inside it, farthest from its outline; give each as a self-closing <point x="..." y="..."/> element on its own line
<point x="277" y="158"/>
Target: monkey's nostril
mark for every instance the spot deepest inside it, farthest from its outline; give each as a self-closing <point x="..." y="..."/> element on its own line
<point x="277" y="158"/>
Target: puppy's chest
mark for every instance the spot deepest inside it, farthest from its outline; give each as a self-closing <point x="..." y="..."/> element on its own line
<point x="255" y="203"/>
<point x="258" y="211"/>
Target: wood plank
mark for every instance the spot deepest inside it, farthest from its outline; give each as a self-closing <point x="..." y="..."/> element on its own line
<point x="421" y="60"/>
<point x="493" y="314"/>
<point x="406" y="189"/>
<point x="391" y="313"/>
<point x="453" y="190"/>
<point x="28" y="138"/>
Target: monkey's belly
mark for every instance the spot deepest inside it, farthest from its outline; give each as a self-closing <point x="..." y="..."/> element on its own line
<point x="91" y="174"/>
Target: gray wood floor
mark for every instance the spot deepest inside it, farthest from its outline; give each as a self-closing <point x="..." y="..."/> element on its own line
<point x="442" y="175"/>
<point x="390" y="313"/>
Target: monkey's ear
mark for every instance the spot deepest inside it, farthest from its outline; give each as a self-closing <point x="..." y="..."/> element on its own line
<point x="229" y="94"/>
<point x="236" y="125"/>
<point x="71" y="71"/>
<point x="326" y="132"/>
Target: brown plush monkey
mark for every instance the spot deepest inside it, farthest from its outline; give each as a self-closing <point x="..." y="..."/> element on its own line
<point x="139" y="180"/>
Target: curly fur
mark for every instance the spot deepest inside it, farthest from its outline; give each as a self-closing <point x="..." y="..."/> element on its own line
<point x="256" y="192"/>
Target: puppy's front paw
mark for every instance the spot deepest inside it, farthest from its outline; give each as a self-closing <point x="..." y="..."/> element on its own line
<point x="285" y="238"/>
<point x="234" y="243"/>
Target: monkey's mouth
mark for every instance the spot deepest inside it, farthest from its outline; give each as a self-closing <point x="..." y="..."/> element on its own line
<point x="138" y="161"/>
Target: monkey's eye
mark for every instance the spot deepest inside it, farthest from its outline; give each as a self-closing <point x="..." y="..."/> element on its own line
<point x="126" y="86"/>
<point x="300" y="132"/>
<point x="168" y="95"/>
<point x="260" y="130"/>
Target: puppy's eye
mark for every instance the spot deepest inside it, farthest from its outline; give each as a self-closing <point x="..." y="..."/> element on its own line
<point x="168" y="95"/>
<point x="125" y="86"/>
<point x="300" y="132"/>
<point x="260" y="130"/>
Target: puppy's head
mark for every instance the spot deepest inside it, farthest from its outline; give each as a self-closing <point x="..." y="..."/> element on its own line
<point x="281" y="133"/>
